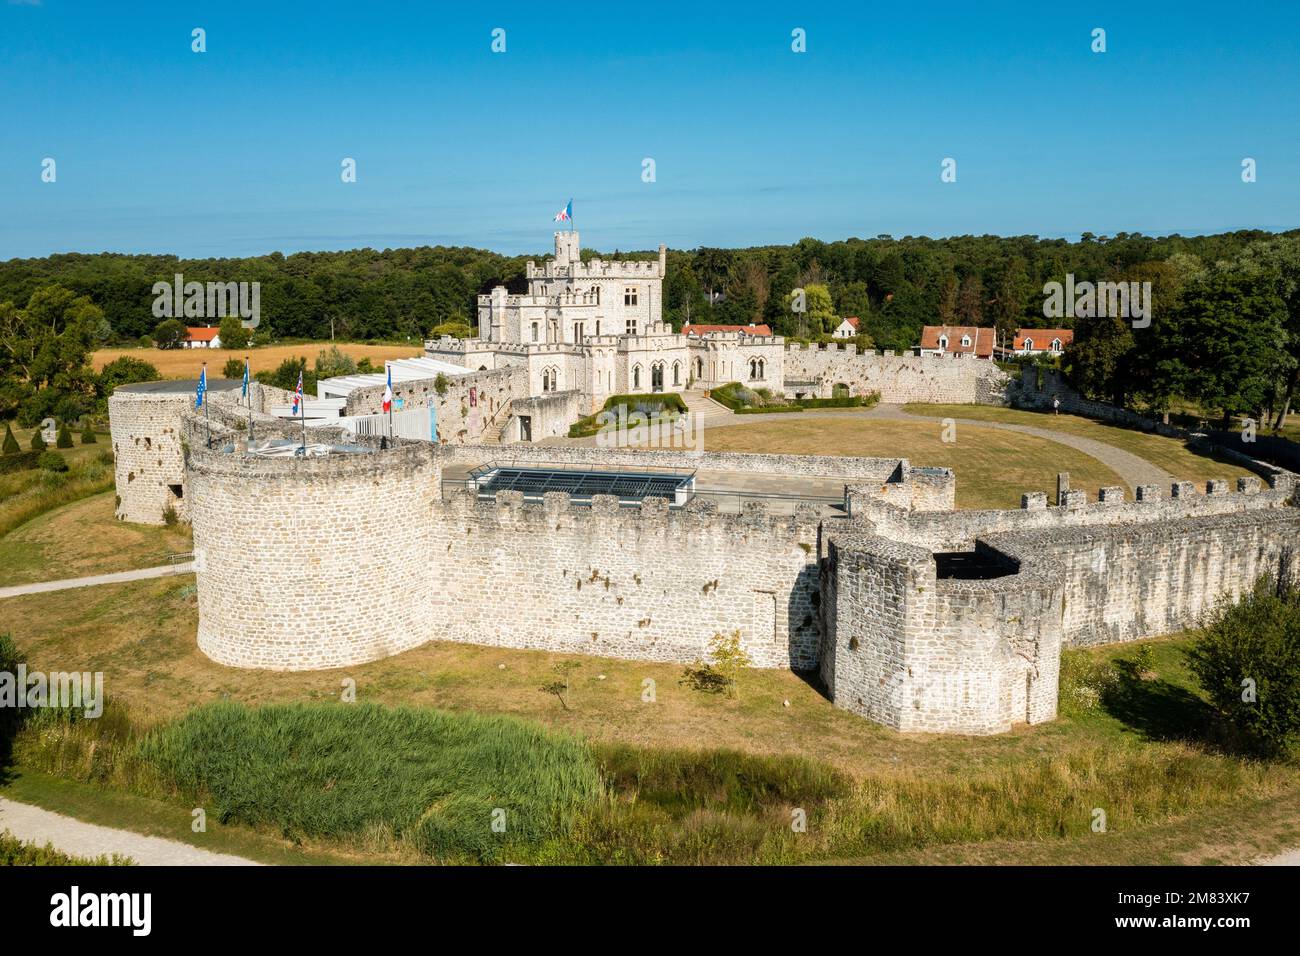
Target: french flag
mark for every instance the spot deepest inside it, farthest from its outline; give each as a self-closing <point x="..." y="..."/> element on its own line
<point x="297" y="395"/>
<point x="388" y="391"/>
<point x="565" y="214"/>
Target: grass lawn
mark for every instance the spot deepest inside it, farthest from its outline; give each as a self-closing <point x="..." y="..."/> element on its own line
<point x="1171" y="454"/>
<point x="185" y="363"/>
<point x="994" y="468"/>
<point x="1026" y="795"/>
<point x="83" y="538"/>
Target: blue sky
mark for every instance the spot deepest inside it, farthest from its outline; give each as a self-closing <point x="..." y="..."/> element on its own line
<point x="237" y="151"/>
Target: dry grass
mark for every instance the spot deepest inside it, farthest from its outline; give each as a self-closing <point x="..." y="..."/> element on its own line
<point x="1171" y="454"/>
<point x="185" y="363"/>
<point x="993" y="467"/>
<point x="84" y="538"/>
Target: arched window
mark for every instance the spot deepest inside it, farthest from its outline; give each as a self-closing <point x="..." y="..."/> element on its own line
<point x="753" y="369"/>
<point x="943" y="343"/>
<point x="636" y="376"/>
<point x="677" y="373"/>
<point x="762" y="368"/>
<point x="699" y="368"/>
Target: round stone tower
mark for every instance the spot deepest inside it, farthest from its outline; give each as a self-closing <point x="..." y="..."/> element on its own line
<point x="306" y="563"/>
<point x="145" y="425"/>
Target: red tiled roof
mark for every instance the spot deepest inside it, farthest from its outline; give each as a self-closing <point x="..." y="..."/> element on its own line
<point x="981" y="339"/>
<point x="201" y="335"/>
<point x="853" y="320"/>
<point x="706" y="329"/>
<point x="1042" y="338"/>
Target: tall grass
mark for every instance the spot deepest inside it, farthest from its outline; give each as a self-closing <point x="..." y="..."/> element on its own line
<point x="435" y="780"/>
<point x="29" y="494"/>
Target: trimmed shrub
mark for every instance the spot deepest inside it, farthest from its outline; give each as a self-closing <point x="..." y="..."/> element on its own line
<point x="52" y="461"/>
<point x="38" y="443"/>
<point x="64" y="439"/>
<point x="11" y="446"/>
<point x="88" y="435"/>
<point x="19" y="462"/>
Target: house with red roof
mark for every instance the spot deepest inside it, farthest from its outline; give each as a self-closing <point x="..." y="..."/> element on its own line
<point x="1042" y="341"/>
<point x="848" y="328"/>
<point x="202" y="338"/>
<point x="972" y="340"/>
<point x="751" y="329"/>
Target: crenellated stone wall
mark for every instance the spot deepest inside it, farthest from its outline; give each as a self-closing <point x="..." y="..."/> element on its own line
<point x="898" y="378"/>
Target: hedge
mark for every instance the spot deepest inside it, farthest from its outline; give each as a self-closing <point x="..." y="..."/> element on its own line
<point x="21" y="461"/>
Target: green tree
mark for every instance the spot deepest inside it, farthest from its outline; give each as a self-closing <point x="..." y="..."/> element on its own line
<point x="234" y="368"/>
<point x="1097" y="361"/>
<point x="38" y="442"/>
<point x="169" y="334"/>
<point x="333" y="361"/>
<point x="233" y="334"/>
<point x="11" y="446"/>
<point x="88" y="434"/>
<point x="44" y="355"/>
<point x="64" y="438"/>
<point x="1248" y="662"/>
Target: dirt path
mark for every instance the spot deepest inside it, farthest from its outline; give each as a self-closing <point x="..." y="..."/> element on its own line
<point x="117" y="577"/>
<point x="32" y="824"/>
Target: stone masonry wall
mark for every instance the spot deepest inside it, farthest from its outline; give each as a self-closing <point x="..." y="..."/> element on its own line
<point x="460" y="419"/>
<point x="645" y="583"/>
<point x="306" y="564"/>
<point x="898" y="378"/>
<point x="145" y="430"/>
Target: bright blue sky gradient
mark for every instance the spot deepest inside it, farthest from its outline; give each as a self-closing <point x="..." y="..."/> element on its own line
<point x="236" y="151"/>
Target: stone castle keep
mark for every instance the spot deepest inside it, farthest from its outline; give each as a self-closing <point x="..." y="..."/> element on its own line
<point x="914" y="615"/>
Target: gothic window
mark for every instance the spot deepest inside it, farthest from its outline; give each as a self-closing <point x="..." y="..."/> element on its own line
<point x="629" y="295"/>
<point x="636" y="377"/>
<point x="677" y="373"/>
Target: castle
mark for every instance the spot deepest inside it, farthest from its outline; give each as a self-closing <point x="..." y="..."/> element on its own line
<point x="344" y="550"/>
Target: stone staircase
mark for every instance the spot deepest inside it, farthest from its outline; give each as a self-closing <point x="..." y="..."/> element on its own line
<point x="706" y="409"/>
<point x="496" y="428"/>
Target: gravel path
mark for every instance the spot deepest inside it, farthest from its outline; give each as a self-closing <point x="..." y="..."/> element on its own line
<point x="32" y="824"/>
<point x="139" y="574"/>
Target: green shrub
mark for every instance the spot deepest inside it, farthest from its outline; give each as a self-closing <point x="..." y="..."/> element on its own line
<point x="64" y="439"/>
<point x="52" y="461"/>
<point x="234" y="368"/>
<point x="38" y="443"/>
<point x="440" y="384"/>
<point x="1085" y="682"/>
<point x="11" y="446"/>
<point x="88" y="434"/>
<point x="169" y="516"/>
<point x="1247" y="660"/>
<point x="19" y="462"/>
<point x="434" y="779"/>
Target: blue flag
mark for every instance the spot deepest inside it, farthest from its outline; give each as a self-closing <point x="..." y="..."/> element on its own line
<point x="244" y="391"/>
<point x="202" y="389"/>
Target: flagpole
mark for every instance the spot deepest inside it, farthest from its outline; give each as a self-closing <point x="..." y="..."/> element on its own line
<point x="248" y="393"/>
<point x="203" y="375"/>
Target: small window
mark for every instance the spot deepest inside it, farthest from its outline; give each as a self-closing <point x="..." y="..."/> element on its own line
<point x="629" y="295"/>
<point x="965" y="341"/>
<point x="534" y="331"/>
<point x="1056" y="345"/>
<point x="178" y="491"/>
<point x="943" y="343"/>
<point x="631" y="326"/>
<point x="1029" y="345"/>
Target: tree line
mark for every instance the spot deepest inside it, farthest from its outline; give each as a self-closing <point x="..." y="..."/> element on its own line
<point x="1223" y="333"/>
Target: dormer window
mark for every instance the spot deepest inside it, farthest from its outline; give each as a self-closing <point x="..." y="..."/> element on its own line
<point x="1028" y="346"/>
<point x="965" y="341"/>
<point x="1056" y="345"/>
<point x="943" y="343"/>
